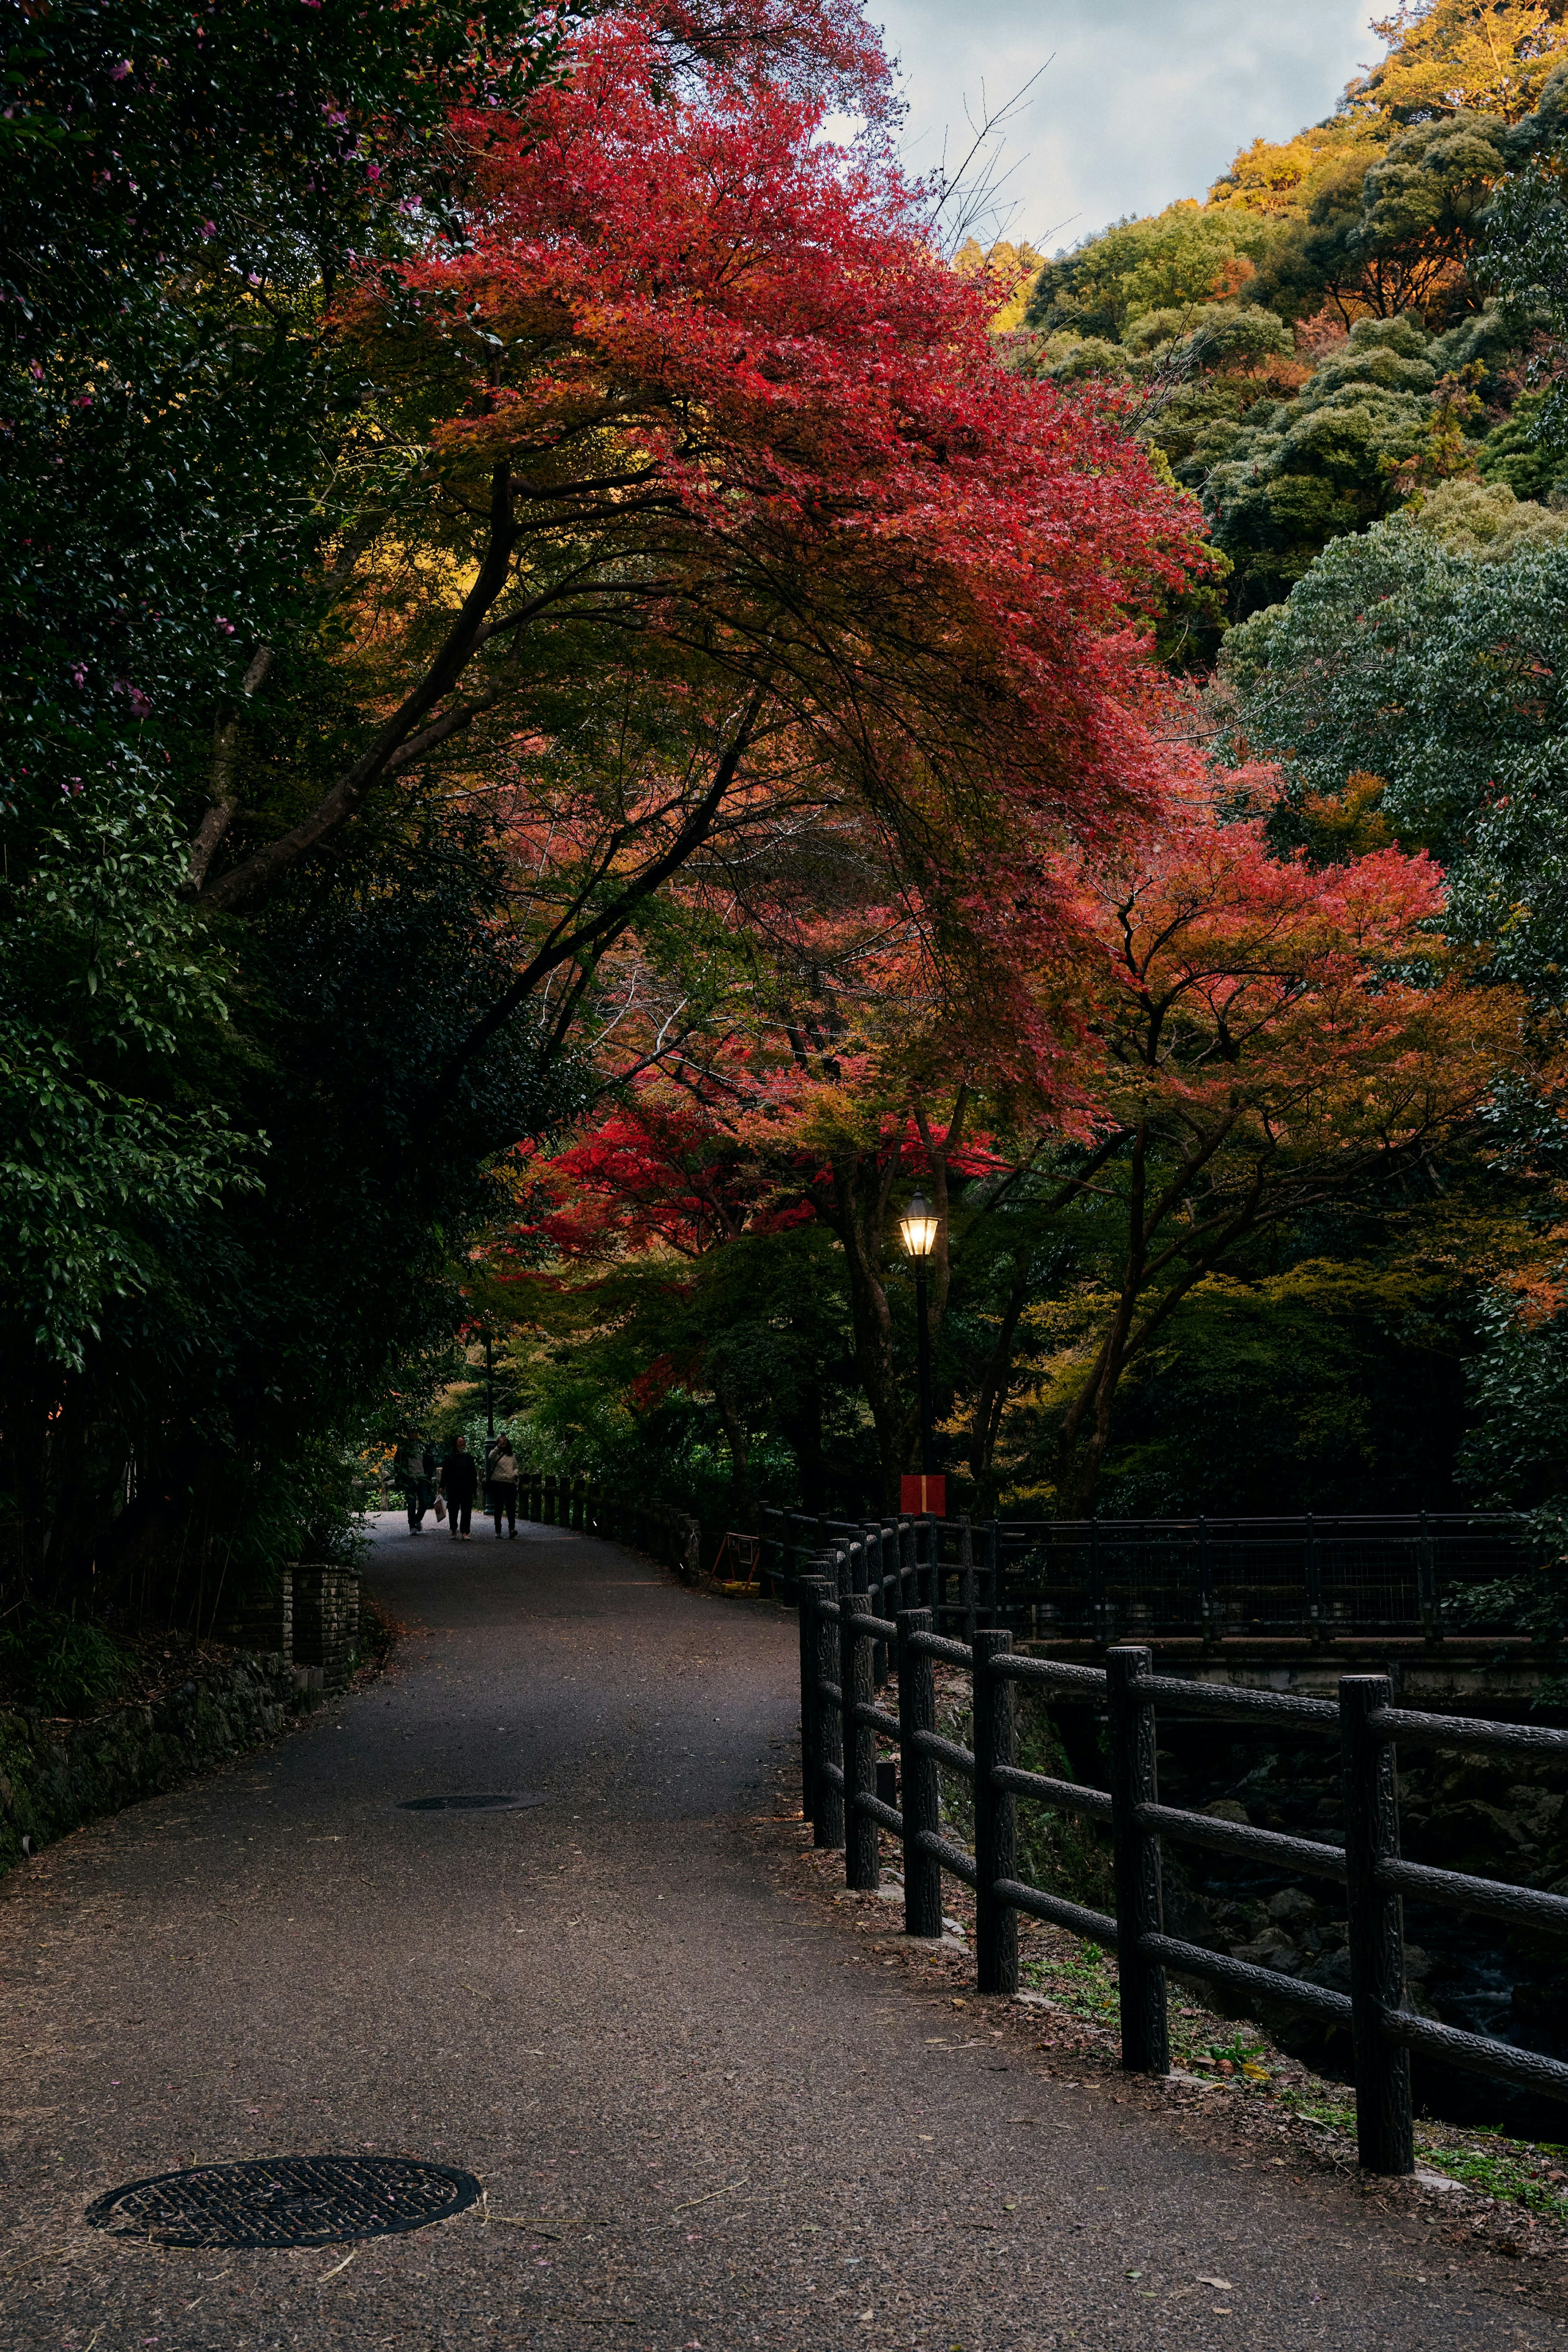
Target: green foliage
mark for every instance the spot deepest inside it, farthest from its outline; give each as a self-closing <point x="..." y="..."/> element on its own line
<point x="1333" y="1387"/>
<point x="217" y="1229"/>
<point x="1485" y="520"/>
<point x="1228" y="335"/>
<point x="60" y="1666"/>
<point x="1525" y="257"/>
<point x="1305" y="471"/>
<point x="1400" y="237"/>
<point x="1441" y="673"/>
<point x="1516" y="1454"/>
<point x="1183" y="256"/>
<point x="110" y="999"/>
<point x="1521" y="453"/>
<point x="724" y="1380"/>
<point x="1068" y="358"/>
<point x="1383" y="230"/>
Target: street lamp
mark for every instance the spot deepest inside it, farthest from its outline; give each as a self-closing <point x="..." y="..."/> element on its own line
<point x="919" y="1226"/>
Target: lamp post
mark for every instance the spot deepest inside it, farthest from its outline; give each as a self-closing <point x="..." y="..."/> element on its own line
<point x="490" y="1385"/>
<point x="919" y="1227"/>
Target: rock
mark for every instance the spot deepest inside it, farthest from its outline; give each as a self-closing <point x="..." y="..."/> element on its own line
<point x="1293" y="1907"/>
<point x="1475" y="1837"/>
<point x="1269" y="1952"/>
<point x="1226" y="1808"/>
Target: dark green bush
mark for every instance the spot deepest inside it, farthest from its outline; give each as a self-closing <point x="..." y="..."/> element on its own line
<point x="61" y="1664"/>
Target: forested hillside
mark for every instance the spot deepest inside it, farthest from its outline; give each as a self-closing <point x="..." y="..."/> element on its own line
<point x="1330" y="330"/>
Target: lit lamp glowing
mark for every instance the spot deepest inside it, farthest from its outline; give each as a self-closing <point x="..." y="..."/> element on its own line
<point x="919" y="1226"/>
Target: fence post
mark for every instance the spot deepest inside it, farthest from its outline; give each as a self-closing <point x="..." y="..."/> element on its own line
<point x="967" y="1576"/>
<point x="828" y="1814"/>
<point x="878" y="1585"/>
<point x="811" y="1711"/>
<point x="996" y="1828"/>
<point x="1146" y="2044"/>
<point x="1206" y="1590"/>
<point x="1314" y="1585"/>
<point x="862" y="1869"/>
<point x="1427" y="1589"/>
<point x="1099" y="1606"/>
<point x="918" y="1775"/>
<point x="1385" y="2138"/>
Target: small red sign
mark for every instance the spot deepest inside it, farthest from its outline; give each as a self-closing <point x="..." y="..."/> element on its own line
<point x="921" y="1494"/>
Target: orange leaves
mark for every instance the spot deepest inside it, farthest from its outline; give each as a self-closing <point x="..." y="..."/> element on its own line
<point x="1300" y="1009"/>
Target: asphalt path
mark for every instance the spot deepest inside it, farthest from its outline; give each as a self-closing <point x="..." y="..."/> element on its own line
<point x="702" y="2120"/>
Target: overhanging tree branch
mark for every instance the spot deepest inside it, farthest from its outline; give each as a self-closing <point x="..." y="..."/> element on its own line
<point x="591" y="939"/>
<point x="254" y="872"/>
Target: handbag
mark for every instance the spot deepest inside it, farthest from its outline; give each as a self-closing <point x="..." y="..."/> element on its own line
<point x="440" y="1508"/>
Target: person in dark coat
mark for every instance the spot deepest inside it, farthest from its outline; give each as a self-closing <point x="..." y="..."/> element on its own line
<point x="459" y="1484"/>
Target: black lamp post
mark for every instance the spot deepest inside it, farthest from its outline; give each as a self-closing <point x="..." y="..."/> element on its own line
<point x="919" y="1227"/>
<point x="490" y="1385"/>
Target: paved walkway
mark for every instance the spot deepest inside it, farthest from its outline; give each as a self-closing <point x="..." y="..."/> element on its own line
<point x="604" y="2006"/>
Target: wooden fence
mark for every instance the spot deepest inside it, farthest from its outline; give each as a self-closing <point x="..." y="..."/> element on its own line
<point x="1428" y="1574"/>
<point x="867" y="1608"/>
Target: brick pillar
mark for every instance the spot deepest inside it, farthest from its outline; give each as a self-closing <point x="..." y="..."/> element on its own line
<point x="326" y="1625"/>
<point x="262" y="1621"/>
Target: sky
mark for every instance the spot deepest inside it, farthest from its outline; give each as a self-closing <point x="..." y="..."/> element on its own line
<point x="1144" y="100"/>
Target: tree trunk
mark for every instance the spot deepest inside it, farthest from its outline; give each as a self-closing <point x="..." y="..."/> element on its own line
<point x="739" y="1455"/>
<point x="990" y="1402"/>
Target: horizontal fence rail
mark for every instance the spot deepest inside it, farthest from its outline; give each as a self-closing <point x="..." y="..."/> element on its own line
<point x="1100" y="1581"/>
<point x="849" y="1645"/>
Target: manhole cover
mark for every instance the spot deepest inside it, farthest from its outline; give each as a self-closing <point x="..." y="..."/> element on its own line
<point x="294" y="2200"/>
<point x="512" y="1804"/>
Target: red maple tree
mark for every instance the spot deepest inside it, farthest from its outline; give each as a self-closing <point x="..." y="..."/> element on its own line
<point x="1267" y="1036"/>
<point x="728" y="506"/>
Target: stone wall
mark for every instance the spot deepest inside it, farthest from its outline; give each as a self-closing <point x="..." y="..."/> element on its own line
<point x="303" y="1637"/>
<point x="55" y="1777"/>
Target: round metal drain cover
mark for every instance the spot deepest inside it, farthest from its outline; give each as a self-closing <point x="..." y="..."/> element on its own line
<point x="516" y="1803"/>
<point x="293" y="2201"/>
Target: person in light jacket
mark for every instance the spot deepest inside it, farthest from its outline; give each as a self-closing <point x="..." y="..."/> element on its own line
<point x="414" y="1466"/>
<point x="501" y="1484"/>
<point x="459" y="1484"/>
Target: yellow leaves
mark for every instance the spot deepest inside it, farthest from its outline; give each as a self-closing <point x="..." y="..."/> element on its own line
<point x="1351" y="822"/>
<point x="1014" y="269"/>
<point x="1491" y="57"/>
<point x="1281" y="178"/>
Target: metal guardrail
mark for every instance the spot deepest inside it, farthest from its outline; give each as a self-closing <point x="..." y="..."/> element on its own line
<point x="846" y="1650"/>
<point x="1100" y="1581"/>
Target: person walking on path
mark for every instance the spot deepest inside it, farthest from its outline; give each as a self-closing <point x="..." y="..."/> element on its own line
<point x="501" y="1485"/>
<point x="459" y="1484"/>
<point x="414" y="1469"/>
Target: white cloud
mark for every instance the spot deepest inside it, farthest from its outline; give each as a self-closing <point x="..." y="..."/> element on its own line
<point x="1145" y="100"/>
